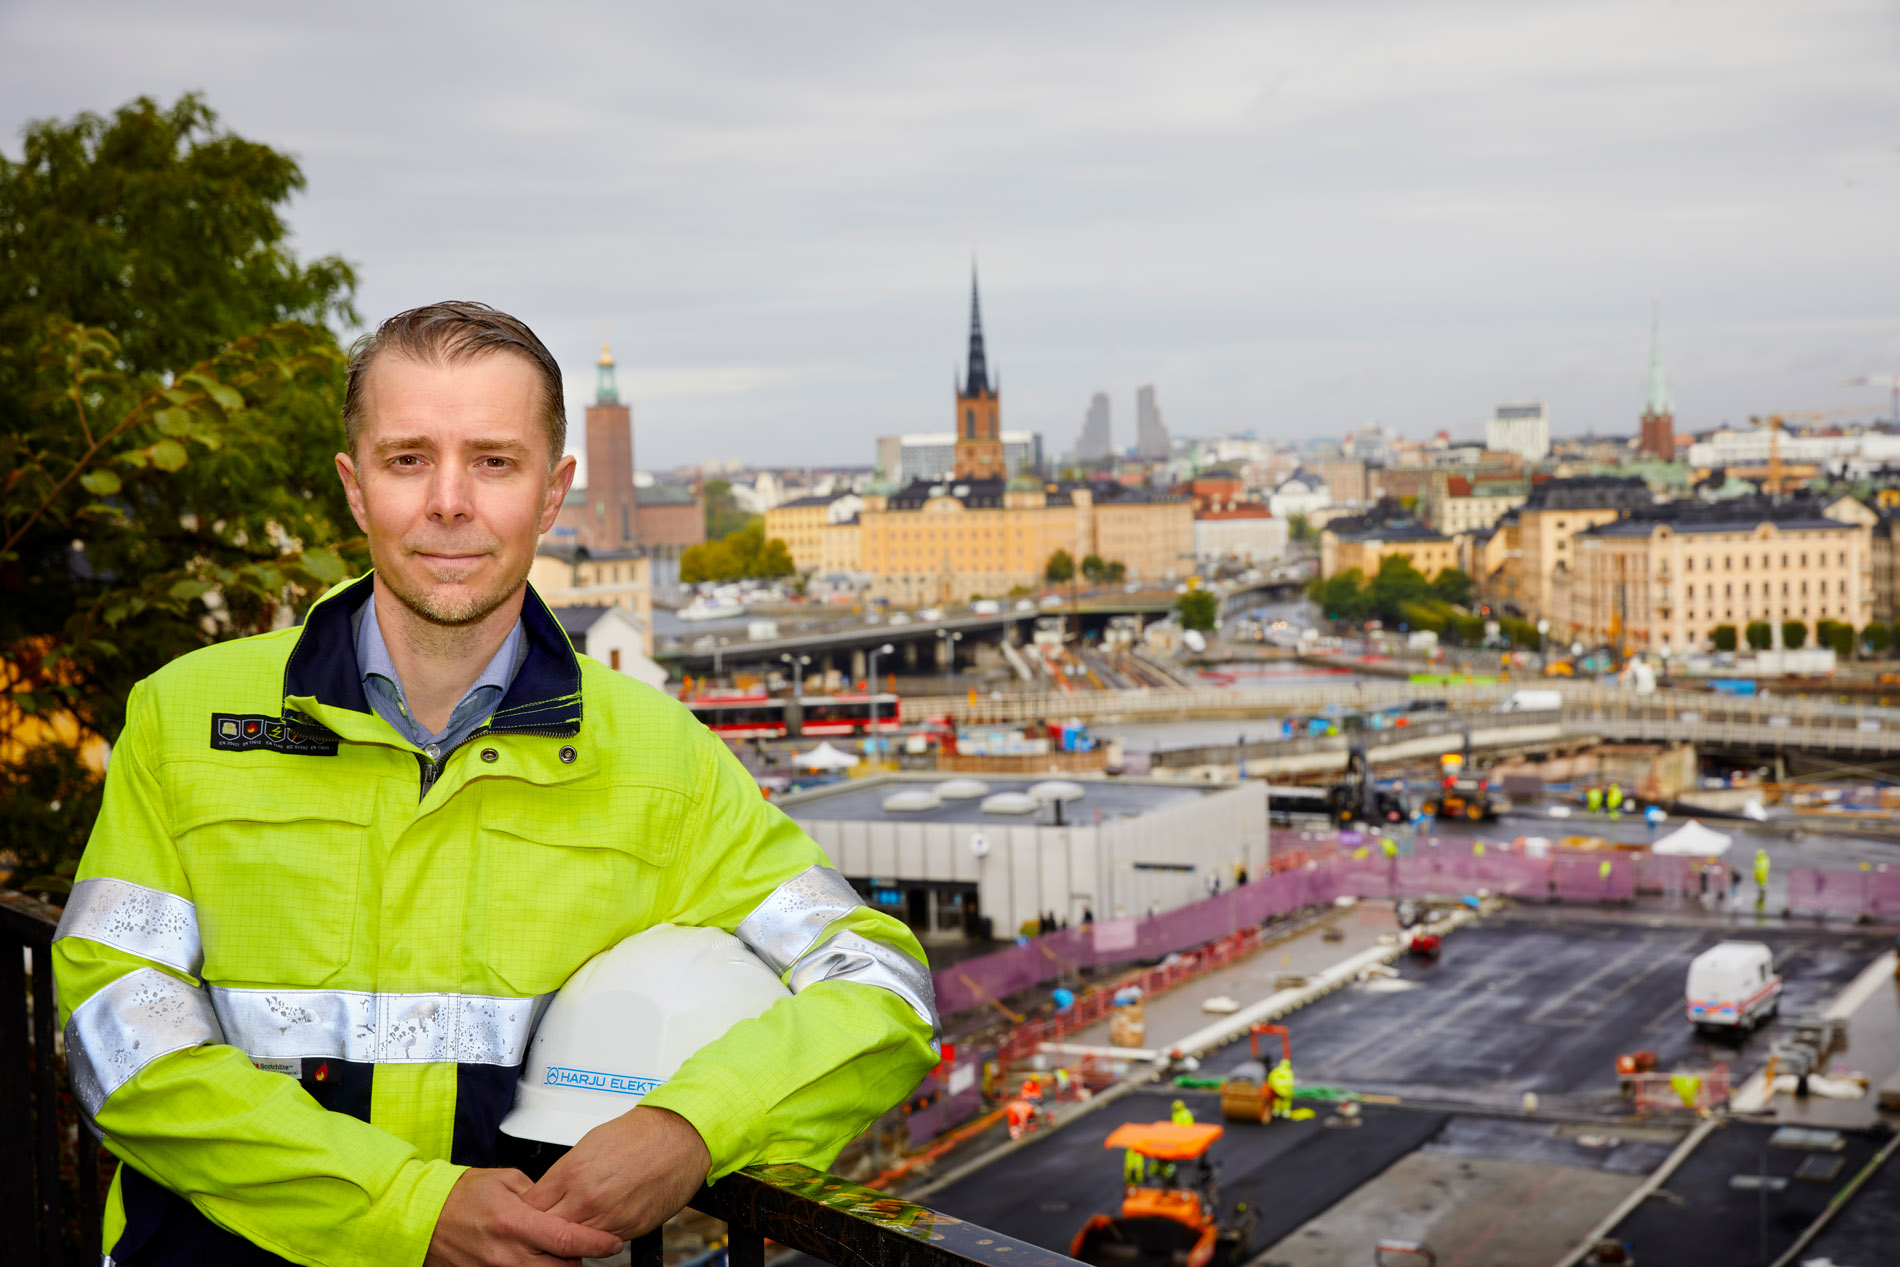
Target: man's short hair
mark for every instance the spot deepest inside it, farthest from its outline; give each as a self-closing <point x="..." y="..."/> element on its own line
<point x="447" y="333"/>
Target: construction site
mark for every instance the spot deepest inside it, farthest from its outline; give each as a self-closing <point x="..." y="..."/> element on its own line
<point x="1386" y="1069"/>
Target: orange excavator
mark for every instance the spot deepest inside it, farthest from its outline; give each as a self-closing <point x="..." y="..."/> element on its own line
<point x="1169" y="1215"/>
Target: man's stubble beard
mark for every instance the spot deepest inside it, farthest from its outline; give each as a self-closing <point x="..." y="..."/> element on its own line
<point x="471" y="610"/>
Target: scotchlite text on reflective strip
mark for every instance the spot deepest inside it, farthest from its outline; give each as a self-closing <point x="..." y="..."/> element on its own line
<point x="126" y="1026"/>
<point x="149" y="923"/>
<point x="378" y="1029"/>
<point x="849" y="957"/>
<point x="787" y="924"/>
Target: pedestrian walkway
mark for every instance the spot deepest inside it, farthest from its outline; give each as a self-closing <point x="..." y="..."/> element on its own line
<point x="1173" y="1016"/>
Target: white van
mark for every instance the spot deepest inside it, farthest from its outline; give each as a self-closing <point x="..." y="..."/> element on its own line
<point x="1732" y="985"/>
<point x="1532" y="702"/>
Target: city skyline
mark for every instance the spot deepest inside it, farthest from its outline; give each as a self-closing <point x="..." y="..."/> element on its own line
<point x="1293" y="222"/>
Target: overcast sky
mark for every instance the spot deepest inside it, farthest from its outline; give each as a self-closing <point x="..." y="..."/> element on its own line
<point x="1294" y="218"/>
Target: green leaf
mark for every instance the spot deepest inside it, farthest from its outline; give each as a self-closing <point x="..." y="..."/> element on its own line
<point x="187" y="590"/>
<point x="227" y="397"/>
<point x="173" y="422"/>
<point x="324" y="565"/>
<point x="169" y="455"/>
<point x="100" y="483"/>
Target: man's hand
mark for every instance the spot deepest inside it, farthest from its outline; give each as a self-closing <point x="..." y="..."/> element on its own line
<point x="486" y="1223"/>
<point x="627" y="1176"/>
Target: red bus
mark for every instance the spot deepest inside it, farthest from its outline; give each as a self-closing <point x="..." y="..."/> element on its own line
<point x="741" y="716"/>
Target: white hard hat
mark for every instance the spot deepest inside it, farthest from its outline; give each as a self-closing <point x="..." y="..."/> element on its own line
<point x="627" y="1020"/>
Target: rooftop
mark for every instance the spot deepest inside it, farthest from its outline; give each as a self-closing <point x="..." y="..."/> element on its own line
<point x="1736" y="514"/>
<point x="863" y="801"/>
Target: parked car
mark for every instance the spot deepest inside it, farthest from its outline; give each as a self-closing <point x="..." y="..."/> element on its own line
<point x="1024" y="605"/>
<point x="986" y="607"/>
<point x="930" y="613"/>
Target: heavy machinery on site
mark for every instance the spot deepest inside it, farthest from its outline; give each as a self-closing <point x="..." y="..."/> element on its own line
<point x="1170" y="1207"/>
<point x="1359" y="798"/>
<point x="1465" y="795"/>
<point x="1244" y="1093"/>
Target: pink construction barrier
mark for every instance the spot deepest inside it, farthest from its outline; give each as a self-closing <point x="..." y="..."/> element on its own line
<point x="1669" y="875"/>
<point x="1814" y="892"/>
<point x="1885" y="894"/>
<point x="1580" y="877"/>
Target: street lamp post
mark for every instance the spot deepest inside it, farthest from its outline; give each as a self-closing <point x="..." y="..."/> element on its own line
<point x="886" y="649"/>
<point x="949" y="640"/>
<point x="795" y="707"/>
<point x="719" y="651"/>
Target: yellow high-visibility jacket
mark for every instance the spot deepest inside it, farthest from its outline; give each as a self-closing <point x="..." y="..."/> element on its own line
<point x="301" y="963"/>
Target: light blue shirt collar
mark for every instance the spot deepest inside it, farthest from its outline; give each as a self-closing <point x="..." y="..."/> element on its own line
<point x="384" y="687"/>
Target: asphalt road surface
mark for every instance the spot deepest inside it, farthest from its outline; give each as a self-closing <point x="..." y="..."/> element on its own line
<point x="1287" y="1171"/>
<point x="1528" y="1003"/>
<point x="1517" y="1003"/>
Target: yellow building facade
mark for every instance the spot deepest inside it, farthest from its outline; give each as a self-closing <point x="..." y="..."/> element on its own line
<point x="948" y="543"/>
<point x="1658" y="581"/>
<point x="1366" y="547"/>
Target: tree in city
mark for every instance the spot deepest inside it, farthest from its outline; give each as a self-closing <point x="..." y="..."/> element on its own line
<point x="1722" y="637"/>
<point x="1341" y="596"/>
<point x="724" y="516"/>
<point x="1060" y="569"/>
<point x="1794" y="635"/>
<point x="741" y="555"/>
<point x="1298" y="528"/>
<point x="1453" y="586"/>
<point x="1114" y="572"/>
<point x="1199" y="609"/>
<point x="1759" y="636"/>
<point x="170" y="389"/>
<point x="1875" y="639"/>
<point x="1837" y="636"/>
<point x="1093" y="566"/>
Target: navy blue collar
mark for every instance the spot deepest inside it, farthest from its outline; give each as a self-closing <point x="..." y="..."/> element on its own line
<point x="545" y="697"/>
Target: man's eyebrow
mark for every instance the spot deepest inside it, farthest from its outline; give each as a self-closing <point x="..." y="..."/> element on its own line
<point x="396" y="444"/>
<point x="501" y="445"/>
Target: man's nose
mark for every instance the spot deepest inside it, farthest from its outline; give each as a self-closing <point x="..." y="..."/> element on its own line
<point x="450" y="494"/>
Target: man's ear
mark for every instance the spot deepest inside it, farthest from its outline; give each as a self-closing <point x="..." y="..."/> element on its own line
<point x="346" y="471"/>
<point x="558" y="484"/>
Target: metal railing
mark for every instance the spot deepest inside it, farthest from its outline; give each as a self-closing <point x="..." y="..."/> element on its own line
<point x="46" y="1219"/>
<point x="50" y="1217"/>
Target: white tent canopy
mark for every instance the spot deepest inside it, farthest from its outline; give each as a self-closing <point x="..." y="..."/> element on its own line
<point x="825" y="757"/>
<point x="1695" y="841"/>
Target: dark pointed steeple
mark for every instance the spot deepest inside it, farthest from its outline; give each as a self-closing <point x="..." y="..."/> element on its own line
<point x="978" y="380"/>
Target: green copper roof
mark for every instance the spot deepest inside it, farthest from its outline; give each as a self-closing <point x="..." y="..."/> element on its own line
<point x="1658" y="403"/>
<point x="608" y="392"/>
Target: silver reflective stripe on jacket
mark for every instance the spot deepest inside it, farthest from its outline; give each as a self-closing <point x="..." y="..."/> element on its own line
<point x="149" y="923"/>
<point x="127" y="1025"/>
<point x="849" y="957"/>
<point x="378" y="1029"/>
<point x="788" y="922"/>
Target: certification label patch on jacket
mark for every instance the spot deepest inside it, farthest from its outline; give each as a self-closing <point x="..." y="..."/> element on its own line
<point x="241" y="732"/>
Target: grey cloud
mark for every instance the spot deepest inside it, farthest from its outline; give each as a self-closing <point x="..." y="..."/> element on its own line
<point x="1292" y="217"/>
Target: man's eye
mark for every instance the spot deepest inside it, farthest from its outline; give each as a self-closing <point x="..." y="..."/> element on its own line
<point x="496" y="464"/>
<point x="406" y="459"/>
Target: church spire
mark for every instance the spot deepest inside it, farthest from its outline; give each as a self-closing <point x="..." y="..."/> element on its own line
<point x="608" y="391"/>
<point x="978" y="380"/>
<point x="1658" y="404"/>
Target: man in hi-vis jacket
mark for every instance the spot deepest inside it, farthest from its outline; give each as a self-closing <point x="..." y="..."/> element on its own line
<point x="341" y="868"/>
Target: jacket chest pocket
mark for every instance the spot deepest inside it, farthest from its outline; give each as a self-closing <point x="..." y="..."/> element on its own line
<point x="571" y="873"/>
<point x="275" y="859"/>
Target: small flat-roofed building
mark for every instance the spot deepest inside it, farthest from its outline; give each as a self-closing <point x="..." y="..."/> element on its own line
<point x="1123" y="847"/>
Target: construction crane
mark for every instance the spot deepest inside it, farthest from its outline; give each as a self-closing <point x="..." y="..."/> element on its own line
<point x="1889" y="381"/>
<point x="1773" y="483"/>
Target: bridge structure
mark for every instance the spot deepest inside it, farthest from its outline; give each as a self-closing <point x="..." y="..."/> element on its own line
<point x="1795" y="733"/>
<point x="924" y="645"/>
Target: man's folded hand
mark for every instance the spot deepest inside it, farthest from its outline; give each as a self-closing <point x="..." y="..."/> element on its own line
<point x="487" y="1223"/>
<point x="627" y="1176"/>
